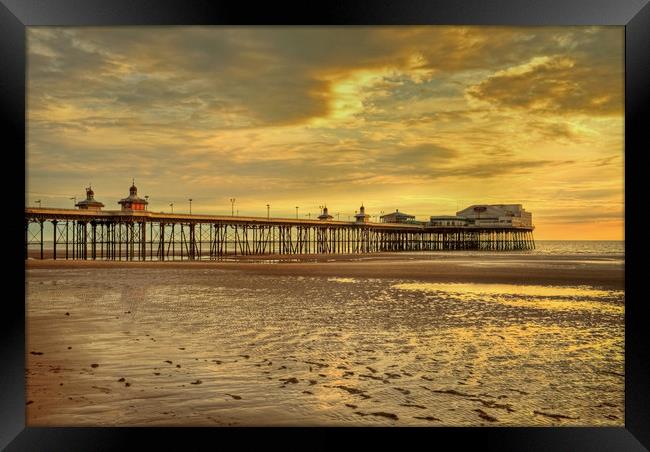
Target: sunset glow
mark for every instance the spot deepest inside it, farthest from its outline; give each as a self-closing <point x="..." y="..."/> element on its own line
<point x="427" y="120"/>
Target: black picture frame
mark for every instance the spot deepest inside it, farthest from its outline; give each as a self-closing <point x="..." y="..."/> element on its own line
<point x="16" y="15"/>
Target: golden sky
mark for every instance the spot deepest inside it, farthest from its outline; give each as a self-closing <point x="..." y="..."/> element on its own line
<point x="425" y="119"/>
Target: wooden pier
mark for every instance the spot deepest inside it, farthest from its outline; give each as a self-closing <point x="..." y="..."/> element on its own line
<point x="151" y="236"/>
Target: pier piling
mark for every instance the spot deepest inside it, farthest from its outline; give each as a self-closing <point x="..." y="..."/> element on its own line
<point x="119" y="235"/>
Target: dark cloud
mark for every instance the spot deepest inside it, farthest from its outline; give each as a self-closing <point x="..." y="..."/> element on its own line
<point x="500" y="168"/>
<point x="272" y="75"/>
<point x="309" y="112"/>
<point x="587" y="79"/>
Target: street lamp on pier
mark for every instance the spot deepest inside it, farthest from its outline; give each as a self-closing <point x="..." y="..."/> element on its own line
<point x="171" y="204"/>
<point x="190" y="200"/>
<point x="232" y="207"/>
<point x="296" y="212"/>
<point x="74" y="200"/>
<point x="146" y="197"/>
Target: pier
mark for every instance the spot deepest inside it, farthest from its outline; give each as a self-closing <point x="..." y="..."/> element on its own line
<point x="135" y="235"/>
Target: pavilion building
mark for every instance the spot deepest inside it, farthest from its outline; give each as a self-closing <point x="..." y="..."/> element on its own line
<point x="89" y="203"/>
<point x="325" y="216"/>
<point x="133" y="202"/>
<point x="362" y="216"/>
<point x="397" y="217"/>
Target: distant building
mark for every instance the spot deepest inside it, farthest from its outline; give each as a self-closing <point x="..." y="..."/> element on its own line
<point x="497" y="215"/>
<point x="325" y="216"/>
<point x="89" y="203"/>
<point x="397" y="217"/>
<point x="362" y="216"/>
<point x="133" y="202"/>
<point x="448" y="220"/>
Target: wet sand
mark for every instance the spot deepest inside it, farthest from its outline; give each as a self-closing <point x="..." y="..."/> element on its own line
<point x="595" y="270"/>
<point x="414" y="339"/>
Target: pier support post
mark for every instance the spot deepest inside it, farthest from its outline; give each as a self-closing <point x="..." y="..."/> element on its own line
<point x="143" y="241"/>
<point x="41" y="222"/>
<point x="26" y="239"/>
<point x="192" y="254"/>
<point x="161" y="248"/>
<point x="54" y="223"/>
<point x="94" y="240"/>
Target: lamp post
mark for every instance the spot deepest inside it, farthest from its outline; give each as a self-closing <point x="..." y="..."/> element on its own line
<point x="232" y="207"/>
<point x="146" y="197"/>
<point x="74" y="200"/>
<point x="171" y="204"/>
<point x="190" y="200"/>
<point x="296" y="212"/>
<point x="337" y="216"/>
<point x="268" y="211"/>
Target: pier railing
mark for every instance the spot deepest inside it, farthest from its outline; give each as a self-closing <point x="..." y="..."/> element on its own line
<point x="127" y="235"/>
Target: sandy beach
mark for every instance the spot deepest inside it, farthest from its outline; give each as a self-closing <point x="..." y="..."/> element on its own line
<point x="596" y="270"/>
<point x="409" y="339"/>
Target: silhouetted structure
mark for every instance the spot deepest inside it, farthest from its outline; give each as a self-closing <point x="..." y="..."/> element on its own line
<point x="397" y="217"/>
<point x="134" y="233"/>
<point x="89" y="203"/>
<point x="362" y="216"/>
<point x="325" y="216"/>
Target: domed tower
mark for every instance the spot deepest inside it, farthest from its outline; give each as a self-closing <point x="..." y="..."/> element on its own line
<point x="362" y="216"/>
<point x="89" y="203"/>
<point x="133" y="202"/>
<point x="325" y="216"/>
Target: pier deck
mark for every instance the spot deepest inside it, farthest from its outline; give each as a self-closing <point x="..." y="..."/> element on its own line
<point x="148" y="235"/>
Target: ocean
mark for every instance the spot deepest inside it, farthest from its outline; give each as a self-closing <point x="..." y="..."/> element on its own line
<point x="561" y="247"/>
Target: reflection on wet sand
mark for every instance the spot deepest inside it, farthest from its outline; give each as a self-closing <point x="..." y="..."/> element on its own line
<point x="214" y="347"/>
<point x="527" y="296"/>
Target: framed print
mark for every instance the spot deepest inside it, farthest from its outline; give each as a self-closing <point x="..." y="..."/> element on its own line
<point x="355" y="216"/>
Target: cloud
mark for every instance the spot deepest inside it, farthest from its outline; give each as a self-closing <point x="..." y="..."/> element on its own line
<point x="559" y="84"/>
<point x="395" y="114"/>
<point x="238" y="76"/>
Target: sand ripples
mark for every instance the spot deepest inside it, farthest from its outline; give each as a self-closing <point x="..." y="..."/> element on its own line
<point x="222" y="348"/>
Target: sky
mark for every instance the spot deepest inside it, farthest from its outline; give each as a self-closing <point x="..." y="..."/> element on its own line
<point x="424" y="119"/>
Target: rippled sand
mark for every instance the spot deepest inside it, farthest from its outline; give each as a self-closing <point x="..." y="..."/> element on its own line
<point x="174" y="345"/>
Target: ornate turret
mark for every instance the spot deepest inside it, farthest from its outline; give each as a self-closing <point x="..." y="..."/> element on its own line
<point x="325" y="216"/>
<point x="89" y="203"/>
<point x="133" y="202"/>
<point x="362" y="216"/>
<point x="133" y="190"/>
